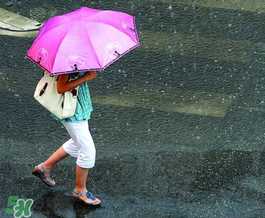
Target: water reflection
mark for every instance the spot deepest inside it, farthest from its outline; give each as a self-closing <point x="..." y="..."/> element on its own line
<point x="60" y="204"/>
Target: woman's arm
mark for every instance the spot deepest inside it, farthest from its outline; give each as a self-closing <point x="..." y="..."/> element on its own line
<point x="63" y="85"/>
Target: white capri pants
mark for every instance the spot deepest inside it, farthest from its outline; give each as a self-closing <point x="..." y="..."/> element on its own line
<point x="80" y="145"/>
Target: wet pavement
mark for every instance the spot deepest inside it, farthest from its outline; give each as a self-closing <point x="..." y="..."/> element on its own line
<point x="178" y="123"/>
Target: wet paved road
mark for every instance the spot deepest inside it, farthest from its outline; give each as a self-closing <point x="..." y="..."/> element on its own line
<point x="152" y="160"/>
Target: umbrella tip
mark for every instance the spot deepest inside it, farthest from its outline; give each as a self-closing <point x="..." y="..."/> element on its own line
<point x="117" y="53"/>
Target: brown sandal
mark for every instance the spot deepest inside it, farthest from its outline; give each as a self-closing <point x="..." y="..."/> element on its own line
<point x="44" y="175"/>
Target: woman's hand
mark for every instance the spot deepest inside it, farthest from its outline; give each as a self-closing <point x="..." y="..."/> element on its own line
<point x="90" y="75"/>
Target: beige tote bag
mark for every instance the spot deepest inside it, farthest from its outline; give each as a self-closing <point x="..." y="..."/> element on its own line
<point x="61" y="105"/>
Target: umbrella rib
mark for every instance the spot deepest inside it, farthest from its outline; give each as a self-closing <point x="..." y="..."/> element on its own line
<point x="124" y="53"/>
<point x="58" y="47"/>
<point x="117" y="28"/>
<point x="94" y="52"/>
<point x="91" y="19"/>
<point x="41" y="36"/>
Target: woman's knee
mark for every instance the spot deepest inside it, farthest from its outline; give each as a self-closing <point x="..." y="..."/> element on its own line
<point x="87" y="157"/>
<point x="70" y="148"/>
<point x="86" y="161"/>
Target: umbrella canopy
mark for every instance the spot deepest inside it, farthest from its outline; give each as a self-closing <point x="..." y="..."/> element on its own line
<point x="82" y="40"/>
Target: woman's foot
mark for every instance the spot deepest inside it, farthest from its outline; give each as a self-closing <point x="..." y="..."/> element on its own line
<point x="87" y="197"/>
<point x="44" y="175"/>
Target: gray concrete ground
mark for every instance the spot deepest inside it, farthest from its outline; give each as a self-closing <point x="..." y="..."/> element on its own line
<point x="178" y="123"/>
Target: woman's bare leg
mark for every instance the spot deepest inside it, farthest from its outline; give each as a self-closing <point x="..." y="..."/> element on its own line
<point x="81" y="178"/>
<point x="80" y="185"/>
<point x="58" y="155"/>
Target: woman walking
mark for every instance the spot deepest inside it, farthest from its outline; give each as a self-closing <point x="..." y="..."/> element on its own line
<point x="80" y="145"/>
<point x="86" y="38"/>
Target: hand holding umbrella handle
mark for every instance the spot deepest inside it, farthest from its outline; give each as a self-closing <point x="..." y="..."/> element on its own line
<point x="64" y="85"/>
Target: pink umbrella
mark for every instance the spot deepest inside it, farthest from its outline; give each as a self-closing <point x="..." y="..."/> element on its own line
<point x="82" y="40"/>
